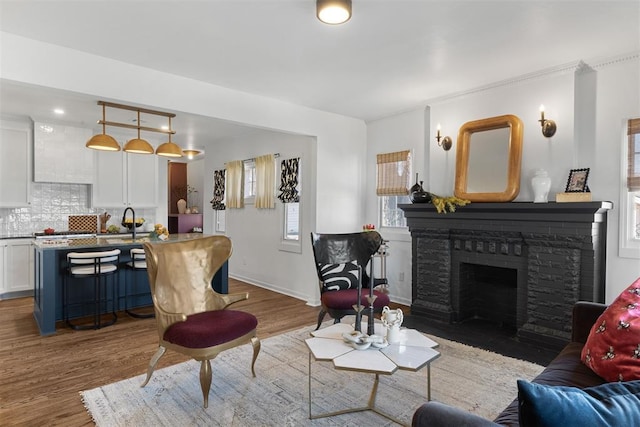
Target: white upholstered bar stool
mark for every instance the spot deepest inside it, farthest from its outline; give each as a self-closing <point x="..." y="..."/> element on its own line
<point x="97" y="266"/>
<point x="136" y="265"/>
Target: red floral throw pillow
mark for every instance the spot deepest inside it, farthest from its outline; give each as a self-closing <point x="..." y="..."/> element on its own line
<point x="612" y="349"/>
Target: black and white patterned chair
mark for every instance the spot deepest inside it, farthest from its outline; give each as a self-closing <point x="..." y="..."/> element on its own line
<point x="339" y="258"/>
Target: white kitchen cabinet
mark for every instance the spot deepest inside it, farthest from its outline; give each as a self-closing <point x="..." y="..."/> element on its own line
<point x="142" y="180"/>
<point x="17" y="273"/>
<point x="60" y="154"/>
<point x="123" y="179"/>
<point x="15" y="163"/>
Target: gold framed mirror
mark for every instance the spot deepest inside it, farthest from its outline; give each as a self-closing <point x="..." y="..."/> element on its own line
<point x="488" y="159"/>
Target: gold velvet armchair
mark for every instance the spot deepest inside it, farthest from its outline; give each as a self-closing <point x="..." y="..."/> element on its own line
<point x="192" y="318"/>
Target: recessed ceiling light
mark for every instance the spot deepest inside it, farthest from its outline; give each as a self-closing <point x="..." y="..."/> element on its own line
<point x="164" y="127"/>
<point x="58" y="111"/>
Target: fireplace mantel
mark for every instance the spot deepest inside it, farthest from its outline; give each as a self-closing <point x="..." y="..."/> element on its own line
<point x="557" y="249"/>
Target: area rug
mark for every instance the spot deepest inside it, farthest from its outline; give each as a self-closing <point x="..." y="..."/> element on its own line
<point x="472" y="379"/>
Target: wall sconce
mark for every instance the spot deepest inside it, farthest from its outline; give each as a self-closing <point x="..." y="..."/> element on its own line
<point x="333" y="12"/>
<point x="548" y="126"/>
<point x="443" y="141"/>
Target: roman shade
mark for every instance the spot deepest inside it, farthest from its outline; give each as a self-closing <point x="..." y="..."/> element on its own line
<point x="393" y="171"/>
<point x="289" y="169"/>
<point x="217" y="203"/>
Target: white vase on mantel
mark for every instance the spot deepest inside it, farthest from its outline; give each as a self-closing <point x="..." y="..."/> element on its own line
<point x="541" y="183"/>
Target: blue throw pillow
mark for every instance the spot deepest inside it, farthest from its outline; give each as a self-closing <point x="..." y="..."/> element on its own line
<point x="610" y="404"/>
<point x="337" y="277"/>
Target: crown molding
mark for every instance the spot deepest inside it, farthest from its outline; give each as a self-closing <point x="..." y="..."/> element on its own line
<point x="575" y="67"/>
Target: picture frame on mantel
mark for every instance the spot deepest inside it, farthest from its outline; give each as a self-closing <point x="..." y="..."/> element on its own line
<point x="577" y="181"/>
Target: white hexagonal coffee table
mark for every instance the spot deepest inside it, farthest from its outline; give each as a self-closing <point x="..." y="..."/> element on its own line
<point x="413" y="352"/>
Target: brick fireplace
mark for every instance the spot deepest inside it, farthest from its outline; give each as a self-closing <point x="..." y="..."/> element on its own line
<point x="521" y="265"/>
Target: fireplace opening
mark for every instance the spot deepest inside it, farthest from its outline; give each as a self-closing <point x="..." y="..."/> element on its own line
<point x="489" y="293"/>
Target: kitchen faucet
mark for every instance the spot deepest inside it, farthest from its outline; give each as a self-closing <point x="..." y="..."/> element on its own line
<point x="133" y="225"/>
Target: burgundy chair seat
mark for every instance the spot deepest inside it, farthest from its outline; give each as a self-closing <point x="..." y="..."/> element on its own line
<point x="210" y="328"/>
<point x="345" y="299"/>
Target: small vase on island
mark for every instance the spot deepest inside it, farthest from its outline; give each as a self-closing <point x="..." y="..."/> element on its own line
<point x="182" y="206"/>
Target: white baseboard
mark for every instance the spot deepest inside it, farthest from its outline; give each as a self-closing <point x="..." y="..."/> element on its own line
<point x="275" y="288"/>
<point x="285" y="291"/>
<point x="403" y="301"/>
<point x="16" y="294"/>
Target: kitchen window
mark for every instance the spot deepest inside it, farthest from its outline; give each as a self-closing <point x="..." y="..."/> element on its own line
<point x="221" y="220"/>
<point x="249" y="181"/>
<point x="292" y="221"/>
<point x="390" y="214"/>
<point x="290" y="186"/>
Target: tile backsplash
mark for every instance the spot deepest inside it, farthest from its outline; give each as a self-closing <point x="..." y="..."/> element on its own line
<point x="51" y="205"/>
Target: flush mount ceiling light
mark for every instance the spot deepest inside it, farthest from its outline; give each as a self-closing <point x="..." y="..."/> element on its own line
<point x="169" y="149"/>
<point x="103" y="141"/>
<point x="136" y="145"/>
<point x="191" y="153"/>
<point x="333" y="11"/>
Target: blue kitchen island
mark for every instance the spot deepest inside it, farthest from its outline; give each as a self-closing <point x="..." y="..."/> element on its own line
<point x="51" y="267"/>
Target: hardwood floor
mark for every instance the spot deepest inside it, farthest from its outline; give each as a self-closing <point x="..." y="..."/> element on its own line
<point x="41" y="377"/>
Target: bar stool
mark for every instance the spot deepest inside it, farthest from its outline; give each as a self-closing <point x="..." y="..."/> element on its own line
<point x="138" y="262"/>
<point x="97" y="266"/>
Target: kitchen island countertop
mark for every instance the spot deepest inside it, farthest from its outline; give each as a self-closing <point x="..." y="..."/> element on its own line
<point x="107" y="240"/>
<point x="51" y="266"/>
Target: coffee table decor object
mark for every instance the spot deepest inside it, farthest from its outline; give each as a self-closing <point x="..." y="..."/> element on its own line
<point x="359" y="308"/>
<point x="392" y="319"/>
<point x="361" y="341"/>
<point x="339" y="344"/>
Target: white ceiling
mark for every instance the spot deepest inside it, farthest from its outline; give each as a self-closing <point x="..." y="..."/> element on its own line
<point x="392" y="56"/>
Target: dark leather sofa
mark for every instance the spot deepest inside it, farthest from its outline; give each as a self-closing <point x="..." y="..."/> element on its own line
<point x="565" y="370"/>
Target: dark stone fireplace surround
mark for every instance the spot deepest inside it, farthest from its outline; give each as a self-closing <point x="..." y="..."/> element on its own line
<point x="555" y="253"/>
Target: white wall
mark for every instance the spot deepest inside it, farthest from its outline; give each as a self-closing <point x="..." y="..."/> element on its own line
<point x="522" y="99"/>
<point x="611" y="88"/>
<point x="401" y="132"/>
<point x="258" y="257"/>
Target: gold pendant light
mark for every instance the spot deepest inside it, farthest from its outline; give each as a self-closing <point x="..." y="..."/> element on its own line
<point x="169" y="149"/>
<point x="137" y="145"/>
<point x="103" y="141"/>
